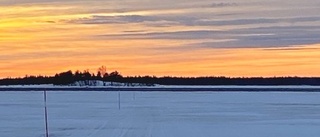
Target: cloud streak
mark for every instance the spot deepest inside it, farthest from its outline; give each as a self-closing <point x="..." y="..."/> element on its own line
<point x="222" y="4"/>
<point x="261" y="37"/>
<point x="155" y="36"/>
<point x="188" y="21"/>
<point x="251" y="37"/>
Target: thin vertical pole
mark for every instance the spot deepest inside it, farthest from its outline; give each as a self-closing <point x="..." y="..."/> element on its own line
<point x="134" y="95"/>
<point x="46" y="113"/>
<point x="119" y="100"/>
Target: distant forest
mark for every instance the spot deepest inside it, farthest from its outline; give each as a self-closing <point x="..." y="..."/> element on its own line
<point x="69" y="77"/>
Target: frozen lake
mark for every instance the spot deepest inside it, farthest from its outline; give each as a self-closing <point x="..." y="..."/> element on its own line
<point x="161" y="114"/>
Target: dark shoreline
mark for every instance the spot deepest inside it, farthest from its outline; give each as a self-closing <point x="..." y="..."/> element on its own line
<point x="173" y="89"/>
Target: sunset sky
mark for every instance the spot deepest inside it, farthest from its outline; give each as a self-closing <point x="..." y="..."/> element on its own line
<point x="161" y="37"/>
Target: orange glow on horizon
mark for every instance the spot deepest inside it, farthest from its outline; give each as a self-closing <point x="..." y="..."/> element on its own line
<point x="234" y="63"/>
<point x="38" y="40"/>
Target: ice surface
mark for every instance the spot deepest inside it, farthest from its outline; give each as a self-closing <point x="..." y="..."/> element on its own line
<point x="161" y="114"/>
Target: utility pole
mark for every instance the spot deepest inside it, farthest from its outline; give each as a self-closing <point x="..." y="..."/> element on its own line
<point x="134" y="95"/>
<point x="119" y="100"/>
<point x="46" y="113"/>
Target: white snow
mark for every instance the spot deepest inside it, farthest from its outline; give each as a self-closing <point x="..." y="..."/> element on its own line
<point x="85" y="84"/>
<point x="98" y="83"/>
<point x="161" y="114"/>
<point x="101" y="84"/>
<point x="237" y="86"/>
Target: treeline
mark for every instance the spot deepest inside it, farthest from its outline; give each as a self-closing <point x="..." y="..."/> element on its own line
<point x="69" y="77"/>
<point x="64" y="78"/>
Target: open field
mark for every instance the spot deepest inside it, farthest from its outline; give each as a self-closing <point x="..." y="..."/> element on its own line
<point x="161" y="114"/>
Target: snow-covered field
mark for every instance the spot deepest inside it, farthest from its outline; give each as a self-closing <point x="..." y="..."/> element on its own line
<point x="161" y="114"/>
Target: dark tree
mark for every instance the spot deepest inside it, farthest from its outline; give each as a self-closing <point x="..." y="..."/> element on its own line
<point x="64" y="78"/>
